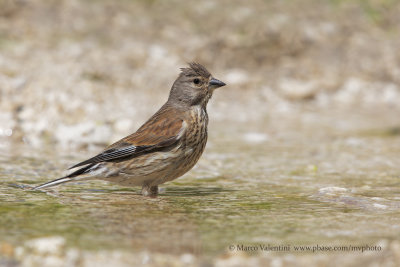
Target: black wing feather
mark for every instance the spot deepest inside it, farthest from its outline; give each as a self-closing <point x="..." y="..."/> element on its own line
<point x="122" y="151"/>
<point x="125" y="151"/>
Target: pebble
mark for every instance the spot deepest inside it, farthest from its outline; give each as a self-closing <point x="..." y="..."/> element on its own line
<point x="254" y="137"/>
<point x="332" y="190"/>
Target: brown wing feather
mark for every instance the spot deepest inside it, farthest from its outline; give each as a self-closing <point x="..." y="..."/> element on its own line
<point x="160" y="127"/>
<point x="163" y="129"/>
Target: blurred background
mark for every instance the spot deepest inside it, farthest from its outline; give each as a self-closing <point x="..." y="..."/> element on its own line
<point x="80" y="72"/>
<point x="303" y="147"/>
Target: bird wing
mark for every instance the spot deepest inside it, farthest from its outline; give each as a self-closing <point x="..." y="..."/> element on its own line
<point x="155" y="135"/>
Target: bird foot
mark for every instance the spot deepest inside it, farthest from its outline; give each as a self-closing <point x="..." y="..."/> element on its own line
<point x="150" y="191"/>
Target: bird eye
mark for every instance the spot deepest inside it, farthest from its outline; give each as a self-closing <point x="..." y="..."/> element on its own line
<point x="196" y="81"/>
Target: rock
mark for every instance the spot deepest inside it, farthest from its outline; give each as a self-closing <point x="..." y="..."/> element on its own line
<point x="236" y="76"/>
<point x="46" y="246"/>
<point x="297" y="89"/>
<point x="253" y="137"/>
<point x="332" y="190"/>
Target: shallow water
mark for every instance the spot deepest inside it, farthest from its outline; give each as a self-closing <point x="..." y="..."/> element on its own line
<point x="285" y="186"/>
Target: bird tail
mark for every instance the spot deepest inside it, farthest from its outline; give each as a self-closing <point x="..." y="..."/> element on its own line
<point x="68" y="178"/>
<point x="54" y="182"/>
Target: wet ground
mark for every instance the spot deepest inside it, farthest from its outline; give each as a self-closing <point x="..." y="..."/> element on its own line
<point x="303" y="146"/>
<point x="286" y="182"/>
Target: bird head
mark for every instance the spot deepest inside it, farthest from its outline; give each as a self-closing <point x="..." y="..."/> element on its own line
<point x="194" y="86"/>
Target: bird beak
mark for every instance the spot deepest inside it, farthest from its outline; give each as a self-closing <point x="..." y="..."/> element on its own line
<point x="214" y="84"/>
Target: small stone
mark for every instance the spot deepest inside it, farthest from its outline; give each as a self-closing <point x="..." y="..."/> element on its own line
<point x="187" y="258"/>
<point x="123" y="125"/>
<point x="237" y="76"/>
<point x="253" y="137"/>
<point x="332" y="190"/>
<point x="297" y="89"/>
<point x="47" y="245"/>
<point x="379" y="206"/>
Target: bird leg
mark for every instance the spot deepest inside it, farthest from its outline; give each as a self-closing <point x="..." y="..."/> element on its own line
<point x="150" y="191"/>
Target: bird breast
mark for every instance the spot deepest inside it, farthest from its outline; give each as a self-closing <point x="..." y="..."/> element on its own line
<point x="197" y="124"/>
<point x="195" y="139"/>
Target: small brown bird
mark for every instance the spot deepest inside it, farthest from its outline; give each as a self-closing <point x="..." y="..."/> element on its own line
<point x="164" y="148"/>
